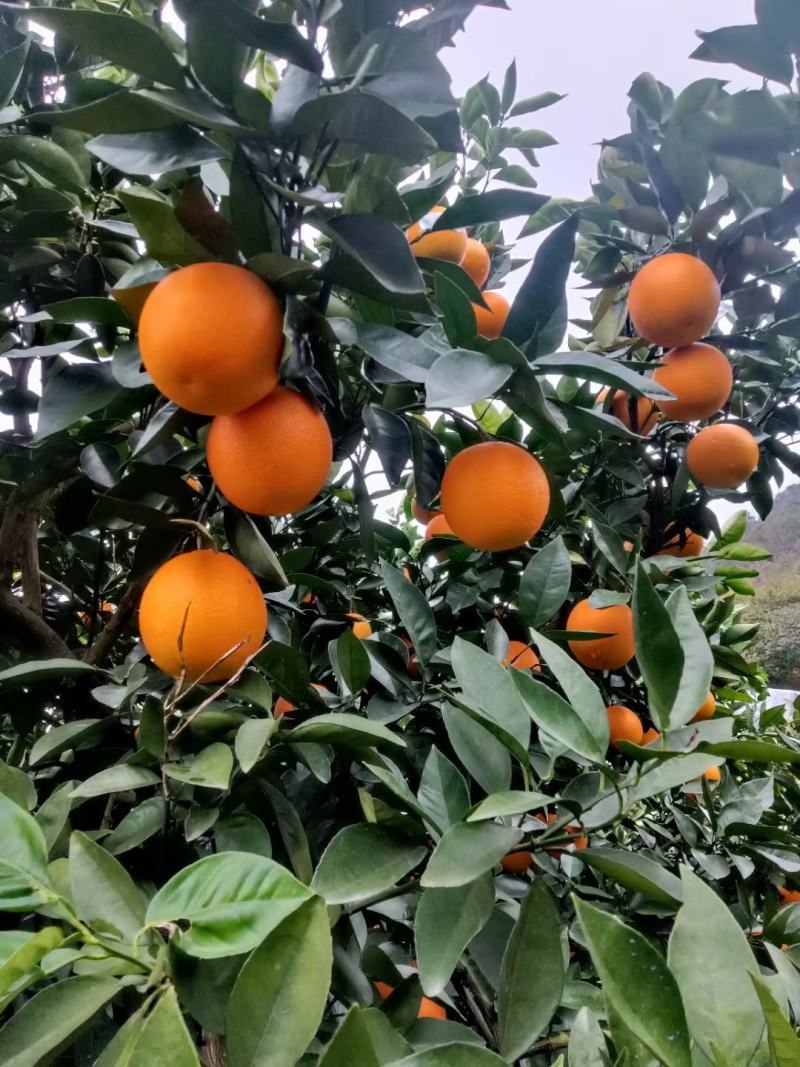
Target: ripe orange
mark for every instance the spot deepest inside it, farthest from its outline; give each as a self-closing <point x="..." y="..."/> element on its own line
<point x="273" y="458"/>
<point x="647" y="414"/>
<point x="722" y="456"/>
<point x="491" y="322"/>
<point x="650" y="736"/>
<point x="438" y="527"/>
<point x="421" y="514"/>
<point x="282" y="705"/>
<point x="789" y="896"/>
<point x="194" y="483"/>
<point x="602" y="653"/>
<point x="706" y="709"/>
<point x="361" y="628"/>
<point x="428" y="1009"/>
<point x="624" y="725"/>
<point x="211" y="338"/>
<point x="495" y="496"/>
<point x="674" y="300"/>
<point x="517" y="862"/>
<point x="690" y="545"/>
<point x="700" y="378"/>
<point x="578" y="839"/>
<point x="413" y="662"/>
<point x="211" y="605"/>
<point x="450" y="245"/>
<point x="522" y="657"/>
<point x="713" y="774"/>
<point x="477" y="262"/>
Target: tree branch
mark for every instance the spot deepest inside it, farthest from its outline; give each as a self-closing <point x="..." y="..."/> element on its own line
<point x="107" y="638"/>
<point x="27" y="631"/>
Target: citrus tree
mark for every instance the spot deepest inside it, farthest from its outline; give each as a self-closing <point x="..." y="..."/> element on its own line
<point x="375" y="687"/>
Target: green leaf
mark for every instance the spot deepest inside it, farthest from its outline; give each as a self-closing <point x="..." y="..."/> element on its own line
<point x="345" y="729"/>
<point x="456" y="1054"/>
<point x="595" y="368"/>
<point x="158" y="226"/>
<point x="118" y="38"/>
<point x="446" y="921"/>
<point x="413" y="610"/>
<point x="665" y="775"/>
<point x="557" y="718"/>
<point x="210" y="768"/>
<point x="105" y="895"/>
<point x="545" y="582"/>
<point x="69" y="735"/>
<point x="17" y="786"/>
<point x="747" y="47"/>
<point x="712" y="963"/>
<point x="466" y="851"/>
<point x="535" y="103"/>
<point x="116" y="779"/>
<point x="397" y="351"/>
<point x="490" y="686"/>
<point x="156" y="151"/>
<point x="784" y="1044"/>
<point x="532" y="974"/>
<point x="19" y="969"/>
<point x="380" y="249"/>
<point x="46" y="157"/>
<point x="138" y="826"/>
<point x="443" y="792"/>
<point x="53" y="814"/>
<point x="23" y="857"/>
<point x="161" y="1037"/>
<point x="250" y="546"/>
<point x="635" y="872"/>
<point x="511" y="802"/>
<point x="461" y="377"/>
<point x="583" y="695"/>
<point x="218" y="59"/>
<point x="365" y="1037"/>
<point x="12" y="64"/>
<point x="494" y="206"/>
<point x="480" y="753"/>
<point x="252" y="738"/>
<point x="242" y="832"/>
<point x="353" y="661"/>
<point x="538" y="317"/>
<point x="697" y="666"/>
<point x="281" y="992"/>
<point x="52" y="1020"/>
<point x="587" y="1045"/>
<point x="362" y="861"/>
<point x="74" y="391"/>
<point x="232" y="901"/>
<point x="278" y="38"/>
<point x="637" y="984"/>
<point x="364" y="123"/>
<point x="292" y="833"/>
<point x="458" y="317"/>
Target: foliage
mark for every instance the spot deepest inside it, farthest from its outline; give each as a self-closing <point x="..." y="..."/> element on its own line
<point x="185" y="875"/>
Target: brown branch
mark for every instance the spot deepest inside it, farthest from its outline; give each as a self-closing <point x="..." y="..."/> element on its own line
<point x="107" y="638"/>
<point x="27" y="631"/>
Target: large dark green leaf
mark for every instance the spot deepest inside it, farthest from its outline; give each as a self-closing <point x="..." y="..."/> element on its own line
<point x="461" y="377"/>
<point x="538" y="317"/>
<point x="367" y="1038"/>
<point x="76" y="390"/>
<point x="595" y="368"/>
<point x="397" y="351"/>
<point x="232" y="901"/>
<point x="121" y="777"/>
<point x="532" y="974"/>
<point x="489" y="686"/>
<point x="634" y="871"/>
<point x="281" y="992"/>
<point x="580" y="690"/>
<point x="118" y="38"/>
<point x="484" y="757"/>
<point x="105" y="895"/>
<point x="362" y="861"/>
<point x="443" y="792"/>
<point x="158" y="226"/>
<point x="156" y="152"/>
<point x="638" y="984"/>
<point x="454" y="1054"/>
<point x="12" y="64"/>
<point x="747" y="47"/>
<point x="366" y="123"/>
<point x="391" y="439"/>
<point x="32" y="671"/>
<point x="380" y="249"/>
<point x="779" y="21"/>
<point x="558" y="718"/>
<point x="45" y="157"/>
<point x="413" y="610"/>
<point x="784" y="1044"/>
<point x="161" y="1036"/>
<point x="545" y="583"/>
<point x="346" y="729"/>
<point x="466" y="851"/>
<point x="278" y="38"/>
<point x="219" y="60"/>
<point x="446" y="921"/>
<point x="352" y="661"/>
<point x="494" y="206"/>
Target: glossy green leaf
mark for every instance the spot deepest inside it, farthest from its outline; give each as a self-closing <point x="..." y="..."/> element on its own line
<point x="481" y="754"/>
<point x="466" y="851"/>
<point x="352" y="660"/>
<point x="637" y="983"/>
<point x="512" y="802"/>
<point x="580" y="690"/>
<point x="116" y="780"/>
<point x="161" y="1036"/>
<point x="461" y="377"/>
<point x="635" y="872"/>
<point x="455" y="1054"/>
<point x="595" y="368"/>
<point x="210" y="768"/>
<point x="45" y="157"/>
<point x="105" y="895"/>
<point x="490" y="687"/>
<point x="232" y="901"/>
<point x="58" y="739"/>
<point x="587" y="1045"/>
<point x="494" y="206"/>
<point x="362" y="861"/>
<point x="366" y="1037"/>
<point x="443" y="792"/>
<point x="138" y="826"/>
<point x="413" y="610"/>
<point x="252" y="738"/>
<point x="74" y="392"/>
<point x="154" y="152"/>
<point x="784" y="1044"/>
<point x="557" y="718"/>
<point x="341" y="728"/>
<point x="446" y="921"/>
<point x="545" y="583"/>
<point x="155" y="219"/>
<point x="538" y="317"/>
<point x="281" y="992"/>
<point x="19" y="969"/>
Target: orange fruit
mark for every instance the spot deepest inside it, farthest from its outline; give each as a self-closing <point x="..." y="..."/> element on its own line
<point x="674" y="300"/>
<point x="421" y="514"/>
<point x="647" y="414"/>
<point x="428" y="1009"/>
<point x="273" y="458"/>
<point x="436" y="244"/>
<point x="578" y="839"/>
<point x="211" y="338"/>
<point x="211" y="605"/>
<point x="517" y="862"/>
<point x="282" y="705"/>
<point x="623" y="725"/>
<point x="194" y="483"/>
<point x="690" y="545"/>
<point x="722" y="456"/>
<point x="495" y="496"/>
<point x="789" y="896"/>
<point x="438" y="527"/>
<point x="650" y="736"/>
<point x="413" y="662"/>
<point x="491" y="322"/>
<point x="701" y="379"/>
<point x="713" y="774"/>
<point x="706" y="709"/>
<point x="477" y="262"/>
<point x="522" y="657"/>
<point x="602" y="653"/>
<point x="361" y="628"/>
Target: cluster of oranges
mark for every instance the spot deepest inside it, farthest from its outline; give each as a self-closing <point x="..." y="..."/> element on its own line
<point x="453" y="246"/>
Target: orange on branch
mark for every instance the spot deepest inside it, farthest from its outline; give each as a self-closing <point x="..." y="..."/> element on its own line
<point x="283" y="706"/>
<point x="203" y="613"/>
<point x="495" y="496"/>
<point x="273" y="458"/>
<point x="650" y="736"/>
<point x="623" y="725"/>
<point x="722" y="456"/>
<point x="602" y="653"/>
<point x="646" y="412"/>
<point x="674" y="300"/>
<point x="789" y="896"/>
<point x="579" y="840"/>
<point x="477" y="262"/>
<point x="450" y="245"/>
<point x="522" y="657"/>
<point x="361" y="627"/>
<point x="686" y="547"/>
<point x="491" y="320"/>
<point x="706" y="709"/>
<point x="428" y="1009"/>
<point x="421" y="514"/>
<point x="700" y="378"/>
<point x="517" y="862"/>
<point x="211" y="338"/>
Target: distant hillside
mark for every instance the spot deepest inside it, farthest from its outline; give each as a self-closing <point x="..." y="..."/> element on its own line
<point x="776" y="606"/>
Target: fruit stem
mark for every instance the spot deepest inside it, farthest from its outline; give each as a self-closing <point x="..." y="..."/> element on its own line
<point x="203" y="535"/>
